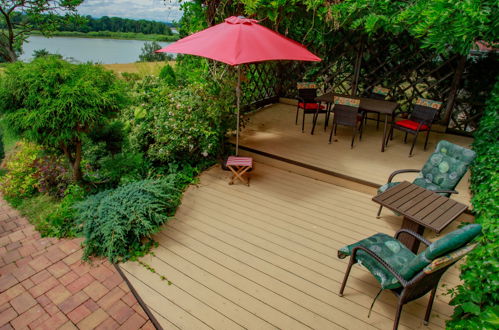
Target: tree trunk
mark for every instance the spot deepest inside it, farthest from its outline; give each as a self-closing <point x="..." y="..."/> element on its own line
<point x="74" y="161"/>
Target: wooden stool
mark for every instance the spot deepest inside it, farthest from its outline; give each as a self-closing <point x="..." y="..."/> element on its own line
<point x="239" y="167"/>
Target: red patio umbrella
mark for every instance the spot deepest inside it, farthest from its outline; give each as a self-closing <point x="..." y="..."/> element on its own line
<point x="240" y="40"/>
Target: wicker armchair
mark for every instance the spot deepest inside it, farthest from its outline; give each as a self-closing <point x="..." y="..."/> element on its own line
<point x="406" y="275"/>
<point x="346" y="113"/>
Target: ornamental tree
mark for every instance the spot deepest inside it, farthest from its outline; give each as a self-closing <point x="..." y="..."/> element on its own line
<point x="19" y="18"/>
<point x="57" y="104"/>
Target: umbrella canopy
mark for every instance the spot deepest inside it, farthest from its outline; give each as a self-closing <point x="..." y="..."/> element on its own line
<point x="240" y="40"/>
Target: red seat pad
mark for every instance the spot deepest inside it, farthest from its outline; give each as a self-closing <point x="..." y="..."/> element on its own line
<point x="311" y="106"/>
<point x="411" y="125"/>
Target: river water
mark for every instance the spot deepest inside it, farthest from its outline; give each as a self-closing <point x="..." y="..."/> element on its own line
<point x="105" y="51"/>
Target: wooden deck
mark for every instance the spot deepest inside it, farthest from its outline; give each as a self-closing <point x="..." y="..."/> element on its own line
<point x="272" y="130"/>
<point x="264" y="257"/>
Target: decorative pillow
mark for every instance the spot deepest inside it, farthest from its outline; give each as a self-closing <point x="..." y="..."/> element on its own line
<point x="306" y="85"/>
<point x="429" y="103"/>
<point x="453" y="240"/>
<point x="448" y="259"/>
<point x="381" y="90"/>
<point x="387" y="248"/>
<point x="347" y="101"/>
<point x="387" y="186"/>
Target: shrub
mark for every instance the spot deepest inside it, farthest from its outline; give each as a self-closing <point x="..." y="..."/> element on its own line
<point x="117" y="224"/>
<point x="2" y="148"/>
<point x="20" y="181"/>
<point x="149" y="53"/>
<point x="477" y="299"/>
<point x="61" y="221"/>
<point x="167" y="75"/>
<point x="51" y="175"/>
<point x="185" y="125"/>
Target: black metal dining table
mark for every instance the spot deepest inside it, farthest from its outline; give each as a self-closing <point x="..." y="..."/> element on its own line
<point x="382" y="107"/>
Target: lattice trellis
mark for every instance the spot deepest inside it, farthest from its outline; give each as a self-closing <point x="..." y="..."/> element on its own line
<point x="260" y="85"/>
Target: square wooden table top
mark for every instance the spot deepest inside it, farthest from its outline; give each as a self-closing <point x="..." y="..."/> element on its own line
<point x="420" y="205"/>
<point x="366" y="103"/>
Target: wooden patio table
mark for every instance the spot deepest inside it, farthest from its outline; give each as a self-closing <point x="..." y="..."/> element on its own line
<point x="421" y="209"/>
<point x="368" y="104"/>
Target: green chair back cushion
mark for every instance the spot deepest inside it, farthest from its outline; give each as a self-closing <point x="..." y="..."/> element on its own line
<point x="450" y="242"/>
<point x="445" y="167"/>
<point x="387" y="248"/>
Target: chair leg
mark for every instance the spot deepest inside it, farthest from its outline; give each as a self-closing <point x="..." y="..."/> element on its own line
<point x="426" y="140"/>
<point x="332" y="129"/>
<point x="397" y="315"/>
<point x="297" y="113"/>
<point x="388" y="136"/>
<point x="303" y="122"/>
<point x="413" y="143"/>
<point x="314" y="121"/>
<point x="361" y="128"/>
<point x="379" y="211"/>
<point x="353" y="136"/>
<point x="347" y="273"/>
<point x="405" y="138"/>
<point x="377" y="123"/>
<point x="430" y="305"/>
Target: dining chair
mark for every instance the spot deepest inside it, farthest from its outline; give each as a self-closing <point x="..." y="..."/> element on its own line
<point x="346" y="113"/>
<point x="420" y="120"/>
<point x="399" y="270"/>
<point x="377" y="93"/>
<point x="307" y="93"/>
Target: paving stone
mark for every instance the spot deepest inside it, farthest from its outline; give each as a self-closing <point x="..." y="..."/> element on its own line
<point x="93" y="320"/>
<point x="7" y="316"/>
<point x="51" y="308"/>
<point x="137" y="308"/>
<point x="11" y="293"/>
<point x="73" y="301"/>
<point x="11" y="256"/>
<point x="108" y="324"/>
<point x="120" y="312"/>
<point x="27" y="284"/>
<point x="58" y="269"/>
<point x="110" y="298"/>
<point x="7" y="327"/>
<point x="79" y="313"/>
<point x="44" y="286"/>
<point x="27" y="317"/>
<point x="80" y="283"/>
<point x="23" y="302"/>
<point x="54" y="322"/>
<point x="43" y="300"/>
<point x="58" y="294"/>
<point x="68" y="246"/>
<point x="41" y="276"/>
<point x="7" y="281"/>
<point x="148" y="326"/>
<point x="68" y="278"/>
<point x="101" y="273"/>
<point x="13" y="246"/>
<point x="129" y="299"/>
<point x="23" y="272"/>
<point x="133" y="322"/>
<point x="92" y="305"/>
<point x="68" y="326"/>
<point x="73" y="257"/>
<point x="96" y="290"/>
<point x="40" y="263"/>
<point x="113" y="281"/>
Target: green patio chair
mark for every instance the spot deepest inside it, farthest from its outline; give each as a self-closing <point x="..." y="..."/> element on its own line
<point x="442" y="171"/>
<point x="405" y="274"/>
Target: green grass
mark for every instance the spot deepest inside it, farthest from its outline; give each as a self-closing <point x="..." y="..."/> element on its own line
<point x="37" y="208"/>
<point x="9" y="138"/>
<point x="113" y="35"/>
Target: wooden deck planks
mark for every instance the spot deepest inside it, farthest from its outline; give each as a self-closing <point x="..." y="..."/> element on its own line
<point x="264" y="257"/>
<point x="272" y="130"/>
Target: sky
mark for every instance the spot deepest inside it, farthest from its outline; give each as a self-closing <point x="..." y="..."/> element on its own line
<point x="157" y="10"/>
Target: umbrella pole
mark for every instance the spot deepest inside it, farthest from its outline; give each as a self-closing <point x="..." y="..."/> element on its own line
<point x="238" y="102"/>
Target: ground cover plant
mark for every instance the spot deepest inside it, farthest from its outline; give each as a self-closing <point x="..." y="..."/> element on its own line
<point x="477" y="299"/>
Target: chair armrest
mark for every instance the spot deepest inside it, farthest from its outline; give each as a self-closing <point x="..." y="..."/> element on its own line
<point x="416" y="235"/>
<point x="381" y="261"/>
<point x="446" y="191"/>
<point x="390" y="178"/>
<point x="300" y="99"/>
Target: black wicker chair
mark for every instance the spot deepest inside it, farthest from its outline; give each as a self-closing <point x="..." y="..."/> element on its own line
<point x="346" y="112"/>
<point x="377" y="93"/>
<point x="424" y="281"/>
<point x="307" y="92"/>
<point x="420" y="119"/>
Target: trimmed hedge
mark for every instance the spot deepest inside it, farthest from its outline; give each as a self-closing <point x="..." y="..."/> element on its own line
<point x="477" y="300"/>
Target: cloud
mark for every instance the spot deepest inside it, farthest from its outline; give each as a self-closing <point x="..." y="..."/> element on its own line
<point x="157" y="10"/>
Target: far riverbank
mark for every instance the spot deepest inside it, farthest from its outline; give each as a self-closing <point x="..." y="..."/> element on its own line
<point x="113" y="35"/>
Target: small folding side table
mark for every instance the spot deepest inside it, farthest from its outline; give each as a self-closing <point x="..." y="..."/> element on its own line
<point x="239" y="167"/>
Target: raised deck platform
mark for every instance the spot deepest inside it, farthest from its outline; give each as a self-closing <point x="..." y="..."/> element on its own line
<point x="264" y="256"/>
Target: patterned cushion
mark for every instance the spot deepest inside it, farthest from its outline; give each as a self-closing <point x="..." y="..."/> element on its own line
<point x="380" y="90"/>
<point x="410" y="124"/>
<point x="429" y="103"/>
<point x="448" y="259"/>
<point x="347" y="101"/>
<point x="311" y="106"/>
<point x="445" y="167"/>
<point x="387" y="186"/>
<point x="306" y="85"/>
<point x="387" y="248"/>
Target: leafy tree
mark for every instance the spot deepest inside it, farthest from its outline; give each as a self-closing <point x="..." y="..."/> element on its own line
<point x="43" y="52"/>
<point x="42" y="15"/>
<point x="149" y="53"/>
<point x="57" y="104"/>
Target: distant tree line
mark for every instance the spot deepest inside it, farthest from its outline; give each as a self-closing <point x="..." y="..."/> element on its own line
<point x="91" y="24"/>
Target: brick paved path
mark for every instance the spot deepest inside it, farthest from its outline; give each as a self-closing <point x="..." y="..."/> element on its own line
<point x="45" y="285"/>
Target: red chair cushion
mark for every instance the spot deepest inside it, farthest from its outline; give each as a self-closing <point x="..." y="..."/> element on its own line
<point x="311" y="106"/>
<point x="411" y="125"/>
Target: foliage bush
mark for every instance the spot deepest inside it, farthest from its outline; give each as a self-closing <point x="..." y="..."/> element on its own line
<point x="51" y="175"/>
<point x="167" y="74"/>
<point x="117" y="224"/>
<point x="477" y="299"/>
<point x="2" y="147"/>
<point x="183" y="125"/>
<point x="61" y="221"/>
<point x="20" y="181"/>
<point x="149" y="54"/>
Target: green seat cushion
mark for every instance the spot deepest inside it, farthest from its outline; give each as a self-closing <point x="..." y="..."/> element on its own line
<point x="450" y="242"/>
<point x="387" y="248"/>
<point x="387" y="186"/>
